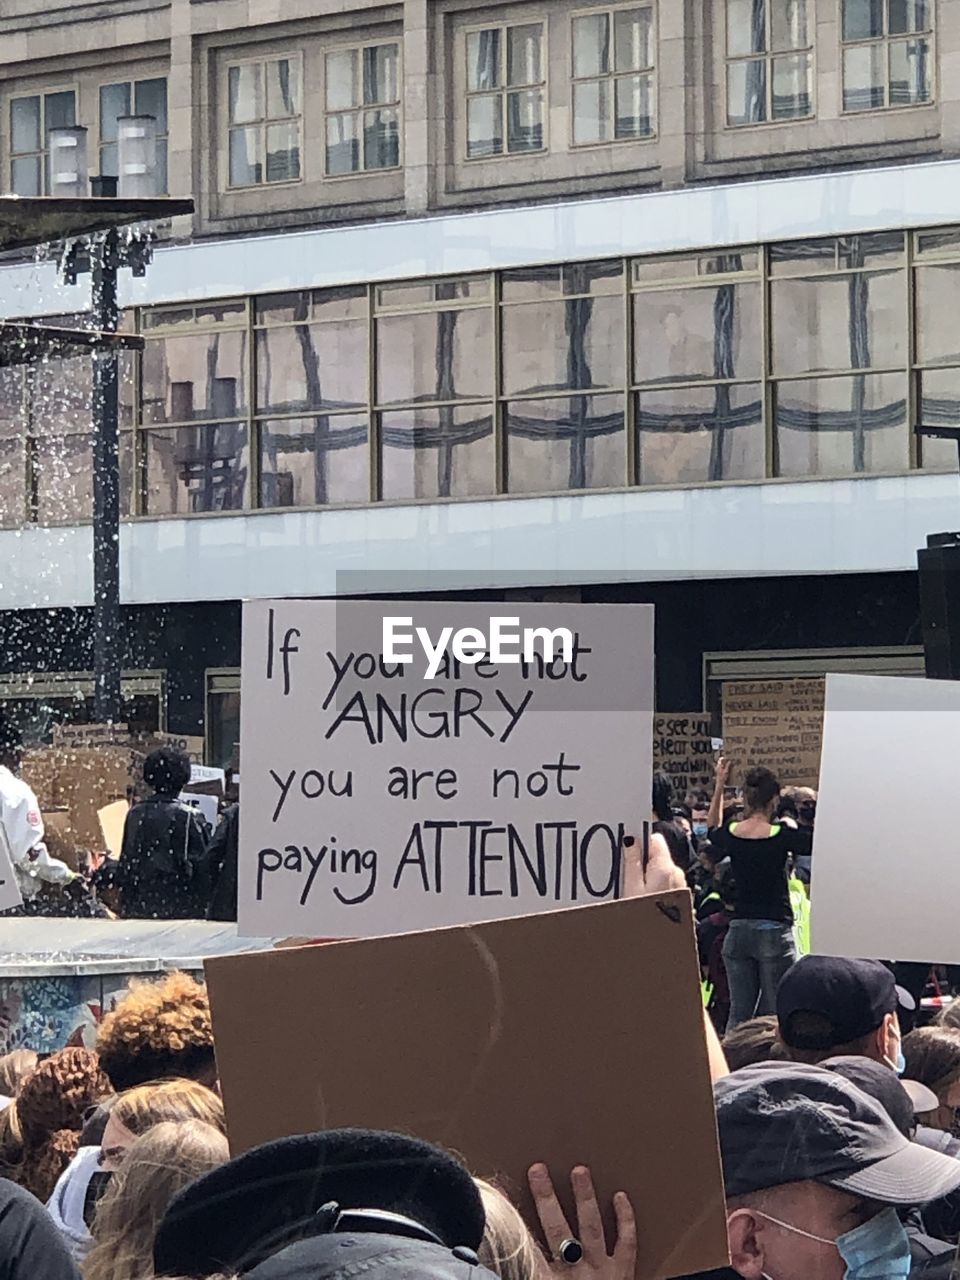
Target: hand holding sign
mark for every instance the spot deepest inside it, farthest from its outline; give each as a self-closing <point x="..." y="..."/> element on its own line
<point x="596" y="1263"/>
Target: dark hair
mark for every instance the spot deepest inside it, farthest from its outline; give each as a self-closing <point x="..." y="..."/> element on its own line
<point x="787" y="808"/>
<point x="730" y="812"/>
<point x="698" y="800"/>
<point x="167" y="770"/>
<point x="662" y="797"/>
<point x="682" y="811"/>
<point x="933" y="1057"/>
<point x="95" y="1122"/>
<point x="760" y="786"/>
<point x="677" y="842"/>
<point x="753" y="1041"/>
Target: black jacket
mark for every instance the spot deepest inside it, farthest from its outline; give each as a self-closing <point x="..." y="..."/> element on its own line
<point x="221" y="867"/>
<point x="160" y="874"/>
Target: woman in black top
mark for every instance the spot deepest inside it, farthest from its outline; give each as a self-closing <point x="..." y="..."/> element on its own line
<point x="759" y="947"/>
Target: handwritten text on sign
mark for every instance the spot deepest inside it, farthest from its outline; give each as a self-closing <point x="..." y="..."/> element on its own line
<point x="377" y="801"/>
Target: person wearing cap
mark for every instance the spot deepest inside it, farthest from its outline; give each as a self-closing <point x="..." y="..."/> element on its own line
<point x="814" y="1172"/>
<point x="828" y="1006"/>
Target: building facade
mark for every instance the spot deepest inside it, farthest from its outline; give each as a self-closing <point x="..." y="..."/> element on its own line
<point x="623" y="302"/>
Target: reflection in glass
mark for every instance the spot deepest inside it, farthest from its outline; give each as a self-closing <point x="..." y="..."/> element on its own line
<point x="591" y="45"/>
<point x="245" y="93"/>
<point x="484" y="126"/>
<point x="939" y="395"/>
<point x="576" y="343"/>
<point x="190" y="379"/>
<point x="683" y="335"/>
<point x="13" y="493"/>
<point x="571" y="442"/>
<point x="381" y="138"/>
<point x="312" y="366"/>
<point x="689" y="435"/>
<point x="862" y="19"/>
<point x="864" y="77"/>
<point x="245" y="167"/>
<point x="25" y="124"/>
<point x="311" y="461"/>
<point x="910" y="72"/>
<point x="910" y="15"/>
<point x="788" y="22"/>
<point x="842" y="426"/>
<point x="533" y="283"/>
<point x="792" y="86"/>
<point x="747" y="92"/>
<point x="525" y="120"/>
<point x="63" y="467"/>
<point x="483" y="60"/>
<point x="633" y="39"/>
<point x="437" y="453"/>
<point x="938" y="335"/>
<point x="191" y="470"/>
<point x="855" y="321"/>
<point x="633" y="101"/>
<point x="439" y="355"/>
<point x="591" y="112"/>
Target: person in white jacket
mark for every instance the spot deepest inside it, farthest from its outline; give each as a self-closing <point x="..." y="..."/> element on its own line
<point x="21" y="824"/>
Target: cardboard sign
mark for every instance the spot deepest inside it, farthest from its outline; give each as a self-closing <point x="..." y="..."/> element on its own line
<point x="207" y="773"/>
<point x="683" y="750"/>
<point x="886" y="739"/>
<point x="112" y="819"/>
<point x="378" y="800"/>
<point x="776" y="723"/>
<point x="89" y="735"/>
<point x="509" y="1042"/>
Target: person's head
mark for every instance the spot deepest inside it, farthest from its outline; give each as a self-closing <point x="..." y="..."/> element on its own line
<point x="508" y="1249"/>
<point x="752" y="1041"/>
<point x="140" y="1109"/>
<point x="761" y="792"/>
<point x="814" y="1171"/>
<point x="11" y="745"/>
<point x="14" y="1069"/>
<point x="662" y="797"/>
<point x="157" y="1167"/>
<point x="828" y="1006"/>
<point x="708" y="856"/>
<point x="787" y="807"/>
<point x="805" y="799"/>
<point x="681" y="819"/>
<point x="933" y="1058"/>
<point x="51" y="1107"/>
<point x="11" y="1140"/>
<point x="949" y="1015"/>
<point x="157" y="1031"/>
<point x="167" y="771"/>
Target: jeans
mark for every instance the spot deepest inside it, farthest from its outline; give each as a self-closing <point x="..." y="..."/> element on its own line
<point x="756" y="954"/>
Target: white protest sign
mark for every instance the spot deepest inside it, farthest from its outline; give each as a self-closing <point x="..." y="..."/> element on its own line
<point x="378" y="800"/>
<point x="207" y="806"/>
<point x="207" y="773"/>
<point x="885" y="884"/>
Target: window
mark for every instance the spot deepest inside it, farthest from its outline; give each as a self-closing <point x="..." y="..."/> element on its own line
<point x="505" y="91"/>
<point x="887" y="53"/>
<point x="264" y="122"/>
<point x="613" y="83"/>
<point x="936" y="280"/>
<point x="769" y="61"/>
<point x="31" y="119"/>
<point x="140" y="98"/>
<point x="362" y="109"/>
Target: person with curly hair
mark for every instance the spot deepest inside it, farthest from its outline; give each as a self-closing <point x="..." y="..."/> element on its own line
<point x="139" y="1110"/>
<point x="51" y="1107"/>
<point x="159" y="1030"/>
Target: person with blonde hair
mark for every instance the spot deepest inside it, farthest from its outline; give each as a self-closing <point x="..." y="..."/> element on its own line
<point x="141" y="1109"/>
<point x="507" y="1248"/>
<point x="14" y="1069"/>
<point x="157" y="1167"/>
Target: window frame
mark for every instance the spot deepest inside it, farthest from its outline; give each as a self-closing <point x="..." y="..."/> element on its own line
<point x="263" y="123"/>
<point x="44" y="152"/>
<point x="612" y="76"/>
<point x="132" y="83"/>
<point x="363" y="107"/>
<point x="885" y="41"/>
<point x="503" y="90"/>
<point x="768" y="55"/>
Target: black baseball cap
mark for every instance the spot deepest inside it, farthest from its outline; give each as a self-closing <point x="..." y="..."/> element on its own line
<point x="344" y="1257"/>
<point x="238" y="1215"/>
<point x="901" y="1099"/>
<point x="849" y="997"/>
<point x="790" y="1122"/>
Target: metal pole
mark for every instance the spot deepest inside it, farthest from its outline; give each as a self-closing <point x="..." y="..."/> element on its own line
<point x="107" y="646"/>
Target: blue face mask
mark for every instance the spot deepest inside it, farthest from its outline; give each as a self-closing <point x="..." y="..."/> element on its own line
<point x="700" y="828"/>
<point x="877" y="1250"/>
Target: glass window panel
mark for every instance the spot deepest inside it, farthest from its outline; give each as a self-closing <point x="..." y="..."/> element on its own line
<point x="591" y="111"/>
<point x="245" y="91"/>
<point x="788" y="21"/>
<point x="13" y="489"/>
<point x="634" y="107"/>
<point x="381" y="138"/>
<point x="191" y="470"/>
<point x="188" y="379"/>
<point x="842" y="426"/>
<point x="63" y="466"/>
<point x="910" y="15"/>
<point x="114" y="103"/>
<point x="552" y="346"/>
<point x="939" y="407"/>
<point x="571" y="442"/>
<point x="806" y="257"/>
<point x="307" y="462"/>
<point x="283" y="151"/>
<point x="792" y="86"/>
<point x="381" y="73"/>
<point x="483" y="60"/>
<point x="747" y="92"/>
<point x="61" y="396"/>
<point x="25" y="176"/>
<point x="109" y="160"/>
<point x="525" y="120"/>
<point x="855" y="321"/>
<point x="678" y="266"/>
<point x="437" y="453"/>
<point x="864" y="77"/>
<point x="343" y="144"/>
<point x="283" y="88"/>
<point x="150" y="99"/>
<point x="723" y="264"/>
<point x="692" y="334"/>
<point x="60" y="110"/>
<point x="404" y="295"/>
<point x="126" y="473"/>
<point x="633" y="39"/>
<point x="945" y="241"/>
<point x="162" y="177"/>
<point x="691" y="435"/>
<point x="746" y="27"/>
<point x="25" y="124"/>
<point x="591" y="45"/>
<point x="862" y="19"/>
<point x="309" y="366"/>
<point x="441" y="355"/>
<point x="245" y="167"/>
<point x="321" y="304"/>
<point x="529" y="284"/>
<point x="938" y="336"/>
<point x="911" y="65"/>
<point x="484" y="126"/>
<point x="523" y="54"/>
<point x="343" y="81"/>
<point x="879" y="249"/>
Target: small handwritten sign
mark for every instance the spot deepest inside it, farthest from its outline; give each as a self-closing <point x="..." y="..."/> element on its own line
<point x="776" y="723"/>
<point x="683" y="750"/>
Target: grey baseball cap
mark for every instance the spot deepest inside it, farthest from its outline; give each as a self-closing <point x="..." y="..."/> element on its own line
<point x="789" y="1122"/>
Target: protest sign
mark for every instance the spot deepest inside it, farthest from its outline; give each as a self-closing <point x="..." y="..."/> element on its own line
<point x="89" y="735"/>
<point x="776" y="723"/>
<point x="378" y="800"/>
<point x="10" y="895"/>
<point x="207" y="806"/>
<point x="683" y="750"/>
<point x="548" y="1037"/>
<point x="886" y="739"/>
<point x="112" y="819"/>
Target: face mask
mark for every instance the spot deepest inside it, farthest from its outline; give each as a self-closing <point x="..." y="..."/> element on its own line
<point x="900" y="1065"/>
<point x="700" y="828"/>
<point x="877" y="1250"/>
<point x="99" y="1181"/>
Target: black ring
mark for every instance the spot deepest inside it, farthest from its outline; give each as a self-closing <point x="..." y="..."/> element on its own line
<point x="571" y="1252"/>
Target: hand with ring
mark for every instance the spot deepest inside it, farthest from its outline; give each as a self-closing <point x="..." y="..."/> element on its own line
<point x="581" y="1254"/>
